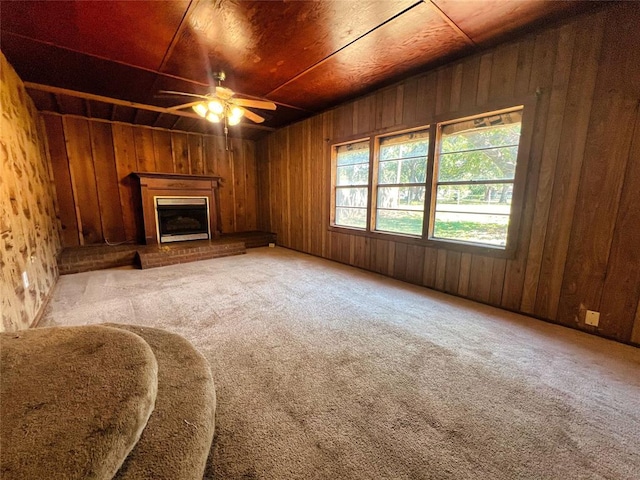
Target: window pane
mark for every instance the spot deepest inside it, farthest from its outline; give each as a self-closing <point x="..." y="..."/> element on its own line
<point x="404" y="145"/>
<point x="352" y="174"/>
<point x="353" y="153"/>
<point x="482" y="132"/>
<point x="400" y="221"/>
<point x="351" y="197"/>
<point x="406" y="198"/>
<point x="403" y="171"/>
<point x="469" y="227"/>
<point x="492" y="164"/>
<point x="484" y="198"/>
<point x="478" y="151"/>
<point x="351" y="217"/>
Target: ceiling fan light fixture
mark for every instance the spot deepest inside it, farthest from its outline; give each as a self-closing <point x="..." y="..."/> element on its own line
<point x="216" y="107"/>
<point x="236" y="112"/>
<point x="213" y="118"/>
<point x="234" y="120"/>
<point x="201" y="109"/>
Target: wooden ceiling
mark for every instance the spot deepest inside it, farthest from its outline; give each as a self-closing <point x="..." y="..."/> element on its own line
<point x="304" y="55"/>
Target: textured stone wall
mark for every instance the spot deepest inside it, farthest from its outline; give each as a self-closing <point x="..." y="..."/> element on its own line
<point x="29" y="237"/>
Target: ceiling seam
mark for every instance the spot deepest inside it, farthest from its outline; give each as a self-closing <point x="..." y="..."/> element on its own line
<point x="323" y="60"/>
<point x="452" y="24"/>
<point x="174" y="40"/>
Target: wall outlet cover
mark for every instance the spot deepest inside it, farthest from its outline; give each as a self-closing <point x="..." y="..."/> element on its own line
<point x="592" y="318"/>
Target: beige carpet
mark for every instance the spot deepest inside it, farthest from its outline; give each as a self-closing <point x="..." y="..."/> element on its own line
<point x="323" y="371"/>
<point x="58" y="421"/>
<point x="176" y="441"/>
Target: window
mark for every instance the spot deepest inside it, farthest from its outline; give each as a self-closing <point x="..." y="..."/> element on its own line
<point x="459" y="190"/>
<point x="401" y="186"/>
<point x="351" y="194"/>
<point x="474" y="175"/>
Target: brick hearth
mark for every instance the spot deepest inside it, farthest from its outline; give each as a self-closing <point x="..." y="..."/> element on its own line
<point x="98" y="257"/>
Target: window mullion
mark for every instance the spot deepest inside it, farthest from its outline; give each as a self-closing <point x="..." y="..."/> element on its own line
<point x="429" y="198"/>
<point x="373" y="178"/>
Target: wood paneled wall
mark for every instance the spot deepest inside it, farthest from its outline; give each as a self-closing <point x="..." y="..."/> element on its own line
<point x="100" y="202"/>
<point x="579" y="244"/>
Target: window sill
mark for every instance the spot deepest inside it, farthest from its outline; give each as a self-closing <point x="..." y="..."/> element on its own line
<point x="463" y="247"/>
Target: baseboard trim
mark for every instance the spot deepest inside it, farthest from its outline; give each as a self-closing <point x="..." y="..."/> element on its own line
<point x="45" y="304"/>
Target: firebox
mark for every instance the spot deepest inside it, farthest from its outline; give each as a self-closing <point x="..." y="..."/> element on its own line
<point x="182" y="218"/>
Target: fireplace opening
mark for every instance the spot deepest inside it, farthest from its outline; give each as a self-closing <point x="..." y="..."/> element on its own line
<point x="182" y="218"/>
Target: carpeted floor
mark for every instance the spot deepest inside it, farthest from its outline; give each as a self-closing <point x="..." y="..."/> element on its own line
<point x="323" y="371"/>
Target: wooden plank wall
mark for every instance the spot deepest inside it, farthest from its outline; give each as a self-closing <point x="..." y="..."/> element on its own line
<point x="580" y="228"/>
<point x="100" y="202"/>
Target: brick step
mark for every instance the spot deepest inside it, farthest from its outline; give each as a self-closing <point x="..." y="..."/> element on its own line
<point x="98" y="257"/>
<point x="170" y="256"/>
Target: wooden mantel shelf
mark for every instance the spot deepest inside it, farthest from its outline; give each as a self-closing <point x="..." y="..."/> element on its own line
<point x="154" y="184"/>
<point x="175" y="176"/>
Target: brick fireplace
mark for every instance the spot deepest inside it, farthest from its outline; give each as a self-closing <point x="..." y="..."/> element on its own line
<point x="179" y="207"/>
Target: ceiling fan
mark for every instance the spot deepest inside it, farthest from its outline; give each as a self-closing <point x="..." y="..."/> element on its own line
<point x="221" y="105"/>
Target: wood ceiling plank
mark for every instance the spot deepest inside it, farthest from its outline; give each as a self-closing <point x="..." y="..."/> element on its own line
<point x="414" y="40"/>
<point x="307" y="54"/>
<point x="136" y="33"/>
<point x="264" y="44"/>
<point x="491" y="20"/>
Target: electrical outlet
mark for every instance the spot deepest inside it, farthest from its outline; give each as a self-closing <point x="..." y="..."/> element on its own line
<point x="592" y="318"/>
<point x="25" y="280"/>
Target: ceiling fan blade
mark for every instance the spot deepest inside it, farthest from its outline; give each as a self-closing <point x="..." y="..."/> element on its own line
<point x="247" y="102"/>
<point x="254" y="117"/>
<point x="185" y="94"/>
<point x="184" y="105"/>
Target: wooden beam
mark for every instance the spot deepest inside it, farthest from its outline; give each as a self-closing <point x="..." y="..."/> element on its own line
<point x="125" y="103"/>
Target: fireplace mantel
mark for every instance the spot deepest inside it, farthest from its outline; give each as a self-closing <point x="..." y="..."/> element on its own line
<point x="180" y="185"/>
